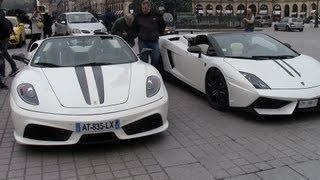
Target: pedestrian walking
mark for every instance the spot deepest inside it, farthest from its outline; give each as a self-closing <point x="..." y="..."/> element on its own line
<point x="108" y="19"/>
<point x="6" y="29"/>
<point x="249" y="21"/>
<point x="37" y="26"/>
<point x="149" y="25"/>
<point x="47" y="25"/>
<point x="123" y="28"/>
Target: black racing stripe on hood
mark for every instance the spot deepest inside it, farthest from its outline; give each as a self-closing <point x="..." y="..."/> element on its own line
<point x="291" y="67"/>
<point x="82" y="79"/>
<point x="284" y="68"/>
<point x="98" y="76"/>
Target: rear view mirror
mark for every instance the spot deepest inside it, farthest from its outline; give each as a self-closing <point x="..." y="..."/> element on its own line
<point x="20" y="57"/>
<point x="195" y="49"/>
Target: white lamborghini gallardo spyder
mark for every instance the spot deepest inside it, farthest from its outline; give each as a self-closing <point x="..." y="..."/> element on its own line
<point x="86" y="89"/>
<point x="245" y="70"/>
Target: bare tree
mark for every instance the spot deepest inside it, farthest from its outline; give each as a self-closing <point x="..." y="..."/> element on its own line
<point x="1" y="2"/>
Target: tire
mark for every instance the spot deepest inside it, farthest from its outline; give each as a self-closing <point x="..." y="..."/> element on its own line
<point x="217" y="90"/>
<point x="301" y="30"/>
<point x="275" y="28"/>
<point x="287" y="28"/>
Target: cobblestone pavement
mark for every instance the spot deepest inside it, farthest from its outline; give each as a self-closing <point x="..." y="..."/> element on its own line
<point x="201" y="143"/>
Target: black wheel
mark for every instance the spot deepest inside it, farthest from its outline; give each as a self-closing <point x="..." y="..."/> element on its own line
<point x="301" y="29"/>
<point x="217" y="90"/>
<point x="275" y="28"/>
<point x="288" y="29"/>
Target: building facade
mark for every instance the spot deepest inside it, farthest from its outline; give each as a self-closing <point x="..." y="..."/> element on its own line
<point x="274" y="8"/>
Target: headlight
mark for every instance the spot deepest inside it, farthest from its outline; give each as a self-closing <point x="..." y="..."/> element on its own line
<point x="153" y="85"/>
<point x="76" y="31"/>
<point x="255" y="81"/>
<point x="28" y="94"/>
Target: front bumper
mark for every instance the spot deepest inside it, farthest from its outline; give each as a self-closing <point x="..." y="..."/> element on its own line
<point x="67" y="123"/>
<point x="281" y="102"/>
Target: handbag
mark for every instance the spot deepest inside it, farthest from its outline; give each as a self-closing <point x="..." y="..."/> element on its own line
<point x="40" y="24"/>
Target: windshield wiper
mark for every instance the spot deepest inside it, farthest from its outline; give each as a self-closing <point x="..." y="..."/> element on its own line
<point x="94" y="64"/>
<point x="238" y="57"/>
<point x="274" y="57"/>
<point x="45" y="64"/>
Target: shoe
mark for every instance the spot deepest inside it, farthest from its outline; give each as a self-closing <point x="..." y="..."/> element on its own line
<point x="3" y="86"/>
<point x="14" y="72"/>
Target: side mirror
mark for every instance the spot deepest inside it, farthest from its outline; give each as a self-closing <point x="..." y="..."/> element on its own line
<point x="211" y="51"/>
<point x="20" y="57"/>
<point x="287" y="44"/>
<point x="144" y="50"/>
<point x="63" y="22"/>
<point x="195" y="49"/>
<point x="100" y="20"/>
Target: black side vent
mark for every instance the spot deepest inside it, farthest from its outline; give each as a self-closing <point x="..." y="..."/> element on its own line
<point x="46" y="133"/>
<point x="170" y="58"/>
<point x="97" y="138"/>
<point x="143" y="125"/>
<point x="174" y="39"/>
<point x="267" y="103"/>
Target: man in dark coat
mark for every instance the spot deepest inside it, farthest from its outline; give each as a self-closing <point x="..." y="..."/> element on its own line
<point x="109" y="19"/>
<point x="6" y="29"/>
<point x="149" y="25"/>
<point x="122" y="28"/>
<point x="47" y="28"/>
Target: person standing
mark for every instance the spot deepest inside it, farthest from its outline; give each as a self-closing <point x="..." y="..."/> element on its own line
<point x="6" y="29"/>
<point x="122" y="28"/>
<point x="149" y="25"/>
<point x="108" y="19"/>
<point x="37" y="25"/>
<point x="249" y="21"/>
<point x="47" y="28"/>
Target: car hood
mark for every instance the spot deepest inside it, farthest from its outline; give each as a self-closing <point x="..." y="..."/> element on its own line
<point x="86" y="26"/>
<point x="297" y="73"/>
<point x="90" y="86"/>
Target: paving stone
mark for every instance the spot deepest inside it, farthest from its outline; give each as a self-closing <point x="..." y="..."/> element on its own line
<point x="34" y="177"/>
<point x="159" y="176"/>
<point x="245" y="177"/>
<point x="142" y="177"/>
<point x="310" y="170"/>
<point x="173" y="157"/>
<point x="34" y="170"/>
<point x="120" y="174"/>
<point x="51" y="176"/>
<point x="68" y="173"/>
<point x="101" y="168"/>
<point x="283" y="173"/>
<point x="137" y="171"/>
<point x="103" y="176"/>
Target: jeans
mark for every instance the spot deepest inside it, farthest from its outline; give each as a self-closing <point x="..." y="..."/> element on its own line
<point x="154" y="54"/>
<point x="248" y="29"/>
<point x="6" y="55"/>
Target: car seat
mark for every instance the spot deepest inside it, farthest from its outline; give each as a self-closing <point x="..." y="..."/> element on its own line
<point x="202" y="42"/>
<point x="236" y="49"/>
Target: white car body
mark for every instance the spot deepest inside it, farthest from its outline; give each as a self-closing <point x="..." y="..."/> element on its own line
<point x="115" y="96"/>
<point x="64" y="27"/>
<point x="290" y="80"/>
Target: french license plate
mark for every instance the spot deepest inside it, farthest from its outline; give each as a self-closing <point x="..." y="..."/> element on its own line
<point x="308" y="103"/>
<point x="97" y="126"/>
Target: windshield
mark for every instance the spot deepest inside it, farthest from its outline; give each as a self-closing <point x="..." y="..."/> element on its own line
<point x="297" y="20"/>
<point x="81" y="18"/>
<point x="83" y="51"/>
<point x="251" y="45"/>
<point x="13" y="21"/>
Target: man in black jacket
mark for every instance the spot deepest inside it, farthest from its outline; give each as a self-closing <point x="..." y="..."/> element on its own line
<point x="6" y="29"/>
<point x="149" y="25"/>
